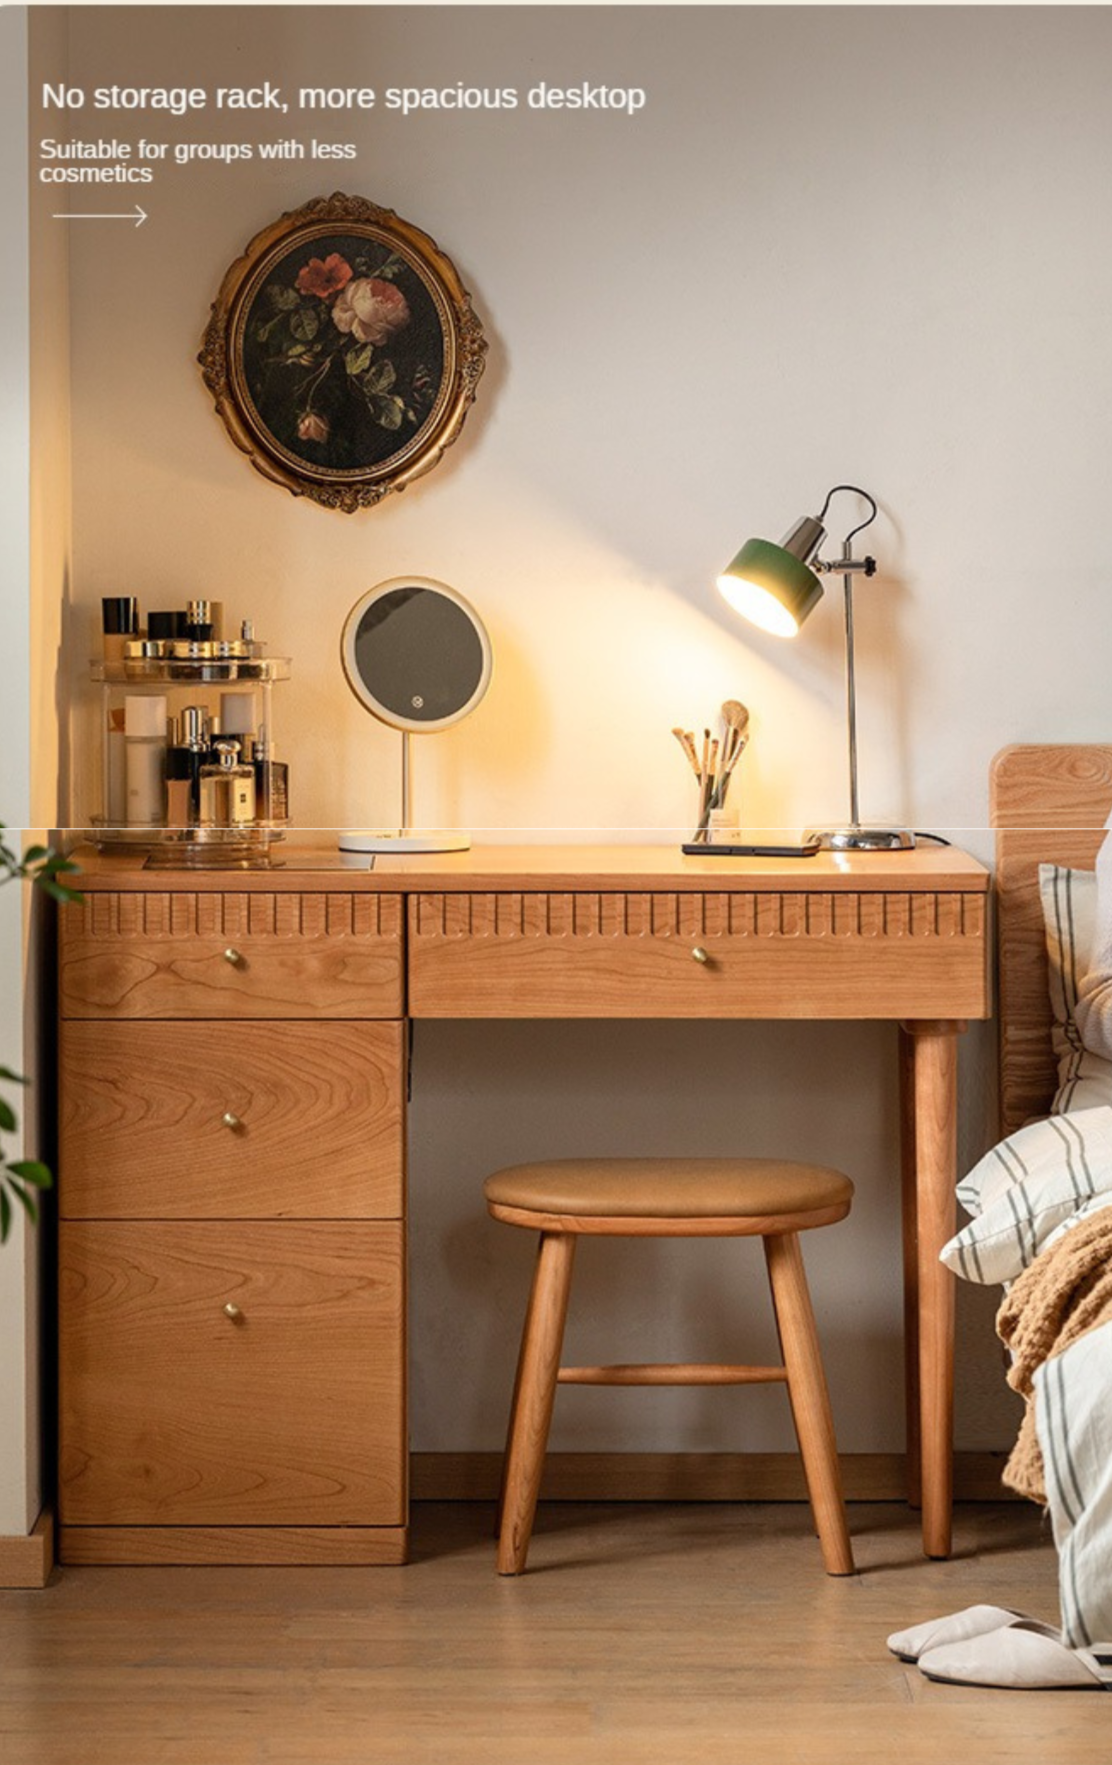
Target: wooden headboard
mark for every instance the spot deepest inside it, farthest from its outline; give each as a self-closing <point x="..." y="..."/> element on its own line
<point x="1048" y="805"/>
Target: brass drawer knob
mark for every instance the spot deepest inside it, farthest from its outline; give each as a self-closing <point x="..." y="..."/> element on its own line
<point x="232" y="1311"/>
<point x="699" y="954"/>
<point x="233" y="956"/>
<point x="231" y="1121"/>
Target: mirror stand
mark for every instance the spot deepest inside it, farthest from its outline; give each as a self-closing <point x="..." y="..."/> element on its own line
<point x="406" y="839"/>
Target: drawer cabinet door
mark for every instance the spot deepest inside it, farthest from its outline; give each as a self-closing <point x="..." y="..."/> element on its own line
<point x="762" y="953"/>
<point x="223" y="954"/>
<point x="231" y="1121"/>
<point x="287" y="1411"/>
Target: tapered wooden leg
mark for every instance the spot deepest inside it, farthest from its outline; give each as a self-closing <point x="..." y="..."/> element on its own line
<point x="814" y="1424"/>
<point x="909" y="1205"/>
<point x="534" y="1394"/>
<point x="935" y="1074"/>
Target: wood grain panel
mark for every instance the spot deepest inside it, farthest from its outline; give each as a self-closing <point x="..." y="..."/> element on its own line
<point x="227" y="1546"/>
<point x="318" y="1106"/>
<point x="173" y="1413"/>
<point x="826" y="954"/>
<point x="180" y="953"/>
<point x="1048" y="804"/>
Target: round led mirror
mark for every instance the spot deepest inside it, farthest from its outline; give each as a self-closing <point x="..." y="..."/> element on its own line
<point x="416" y="655"/>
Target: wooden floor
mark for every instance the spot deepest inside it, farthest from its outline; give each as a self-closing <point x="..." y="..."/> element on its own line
<point x="641" y="1634"/>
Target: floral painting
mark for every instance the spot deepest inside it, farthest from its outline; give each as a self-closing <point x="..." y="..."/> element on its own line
<point x="343" y="352"/>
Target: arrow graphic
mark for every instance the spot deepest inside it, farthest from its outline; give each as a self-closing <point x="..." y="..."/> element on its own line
<point x="136" y="214"/>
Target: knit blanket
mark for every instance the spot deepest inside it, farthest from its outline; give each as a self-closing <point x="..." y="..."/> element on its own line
<point x="1061" y="1296"/>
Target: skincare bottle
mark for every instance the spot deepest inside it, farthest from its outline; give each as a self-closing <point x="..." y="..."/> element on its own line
<point x="272" y="782"/>
<point x="186" y="755"/>
<point x="115" y="808"/>
<point x="120" y="621"/>
<point x="227" y="789"/>
<point x="193" y="750"/>
<point x="165" y="627"/>
<point x="238" y="716"/>
<point x="145" y="759"/>
<point x="198" y="621"/>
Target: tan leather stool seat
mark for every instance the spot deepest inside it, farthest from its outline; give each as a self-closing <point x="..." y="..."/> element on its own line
<point x="567" y="1198"/>
<point x="670" y="1188"/>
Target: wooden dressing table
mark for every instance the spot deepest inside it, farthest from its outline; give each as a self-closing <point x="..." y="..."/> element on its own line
<point x="231" y="1173"/>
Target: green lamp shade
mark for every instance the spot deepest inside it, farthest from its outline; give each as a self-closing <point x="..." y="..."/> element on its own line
<point x="770" y="587"/>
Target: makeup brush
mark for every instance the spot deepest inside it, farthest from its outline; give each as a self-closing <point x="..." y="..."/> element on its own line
<point x="687" y="743"/>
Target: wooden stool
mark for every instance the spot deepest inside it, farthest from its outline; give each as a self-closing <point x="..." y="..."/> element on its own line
<point x="668" y="1198"/>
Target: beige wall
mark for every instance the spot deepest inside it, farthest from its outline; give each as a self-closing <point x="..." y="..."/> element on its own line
<point x="699" y="319"/>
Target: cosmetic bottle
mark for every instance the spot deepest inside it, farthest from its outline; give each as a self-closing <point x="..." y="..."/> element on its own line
<point x="272" y="782"/>
<point x="198" y="621"/>
<point x="238" y="716"/>
<point x="115" y="808"/>
<point x="227" y="789"/>
<point x="185" y="757"/>
<point x="120" y="621"/>
<point x="145" y="759"/>
<point x="165" y="627"/>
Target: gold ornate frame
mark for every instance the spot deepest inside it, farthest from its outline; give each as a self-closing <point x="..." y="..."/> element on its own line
<point x="462" y="346"/>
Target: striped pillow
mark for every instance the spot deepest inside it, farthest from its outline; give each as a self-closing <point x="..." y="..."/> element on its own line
<point x="1027" y="1186"/>
<point x="1069" y="904"/>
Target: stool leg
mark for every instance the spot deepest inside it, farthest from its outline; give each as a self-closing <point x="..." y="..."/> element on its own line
<point x="534" y="1394"/>
<point x="814" y="1424"/>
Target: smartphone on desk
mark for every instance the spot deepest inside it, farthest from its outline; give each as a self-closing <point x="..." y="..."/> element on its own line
<point x="744" y="846"/>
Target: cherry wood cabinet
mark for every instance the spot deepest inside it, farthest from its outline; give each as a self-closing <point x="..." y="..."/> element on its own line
<point x="231" y="1187"/>
<point x="231" y="1235"/>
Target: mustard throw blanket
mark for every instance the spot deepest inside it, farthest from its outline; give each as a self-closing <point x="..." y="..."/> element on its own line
<point x="1063" y="1294"/>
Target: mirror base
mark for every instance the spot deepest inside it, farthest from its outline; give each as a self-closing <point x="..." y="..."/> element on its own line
<point x="428" y="840"/>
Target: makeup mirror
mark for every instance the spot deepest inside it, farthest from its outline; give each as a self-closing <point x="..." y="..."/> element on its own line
<point x="417" y="656"/>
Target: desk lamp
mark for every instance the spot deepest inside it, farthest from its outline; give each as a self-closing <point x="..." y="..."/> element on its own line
<point x="776" y="587"/>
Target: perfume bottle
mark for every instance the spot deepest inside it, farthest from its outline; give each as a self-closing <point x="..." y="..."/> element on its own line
<point x="272" y="782"/>
<point x="227" y="789"/>
<point x="184" y="761"/>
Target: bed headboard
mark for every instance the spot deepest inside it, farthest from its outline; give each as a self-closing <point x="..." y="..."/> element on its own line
<point x="1048" y="805"/>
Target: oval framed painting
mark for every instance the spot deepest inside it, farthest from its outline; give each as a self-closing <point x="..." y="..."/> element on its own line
<point x="342" y="352"/>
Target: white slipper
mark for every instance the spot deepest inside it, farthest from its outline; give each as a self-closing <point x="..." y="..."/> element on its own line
<point x="1020" y="1657"/>
<point x="937" y="1633"/>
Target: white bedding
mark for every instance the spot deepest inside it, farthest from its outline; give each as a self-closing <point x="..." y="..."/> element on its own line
<point x="1073" y="1421"/>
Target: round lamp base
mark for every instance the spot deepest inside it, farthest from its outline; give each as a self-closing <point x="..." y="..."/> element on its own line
<point x="380" y="840"/>
<point x="863" y="839"/>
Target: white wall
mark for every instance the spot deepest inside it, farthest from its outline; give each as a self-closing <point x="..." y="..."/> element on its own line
<point x="19" y="1467"/>
<point x="699" y="319"/>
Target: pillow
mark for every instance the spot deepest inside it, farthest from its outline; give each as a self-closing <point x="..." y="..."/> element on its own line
<point x="1069" y="904"/>
<point x="1027" y="1186"/>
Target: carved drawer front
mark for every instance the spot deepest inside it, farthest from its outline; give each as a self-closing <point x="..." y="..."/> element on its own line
<point x="231" y="1121"/>
<point x="248" y="1375"/>
<point x="227" y="954"/>
<point x="851" y="954"/>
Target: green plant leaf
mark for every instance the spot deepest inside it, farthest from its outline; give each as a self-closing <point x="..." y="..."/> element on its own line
<point x="59" y="891"/>
<point x="282" y="299"/>
<point x="304" y="324"/>
<point x="26" y="1202"/>
<point x="7" y="1117"/>
<point x="357" y="359"/>
<point x="380" y="376"/>
<point x="14" y="1078"/>
<point x="5" y="1215"/>
<point x="386" y="410"/>
<point x="35" y="854"/>
<point x="31" y="1170"/>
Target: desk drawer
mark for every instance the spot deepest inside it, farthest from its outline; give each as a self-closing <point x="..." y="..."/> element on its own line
<point x="218" y="954"/>
<point x="848" y="954"/>
<point x="288" y="1412"/>
<point x="231" y="1121"/>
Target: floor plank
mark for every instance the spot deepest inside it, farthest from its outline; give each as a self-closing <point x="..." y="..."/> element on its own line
<point x="642" y="1635"/>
